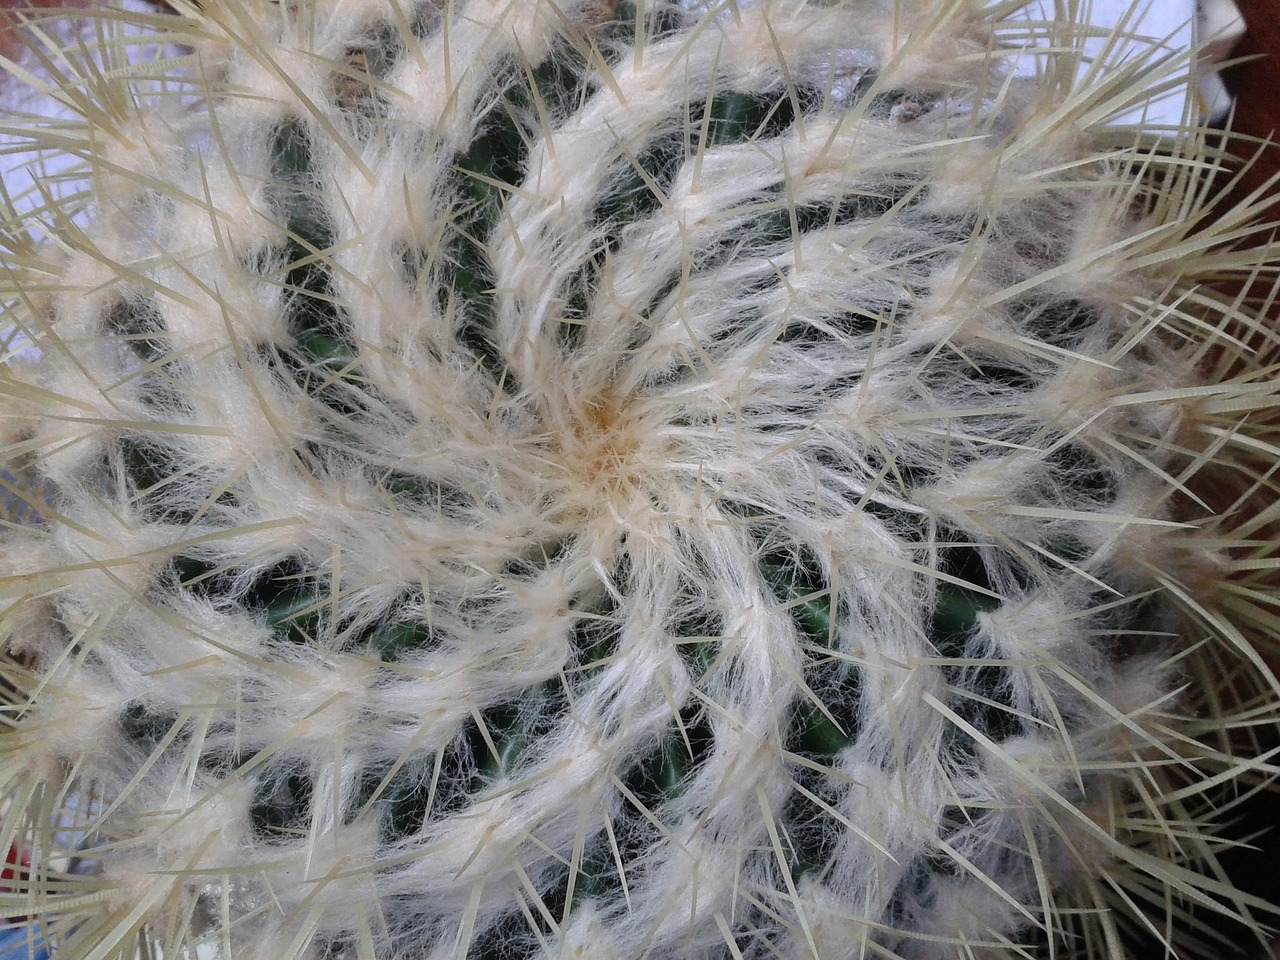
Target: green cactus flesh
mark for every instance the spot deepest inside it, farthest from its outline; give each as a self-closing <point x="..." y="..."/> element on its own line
<point x="692" y="495"/>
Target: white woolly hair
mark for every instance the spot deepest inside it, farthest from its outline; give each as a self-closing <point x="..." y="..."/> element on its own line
<point x="578" y="478"/>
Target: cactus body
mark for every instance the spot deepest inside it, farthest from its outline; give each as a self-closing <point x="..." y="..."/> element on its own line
<point x="613" y="481"/>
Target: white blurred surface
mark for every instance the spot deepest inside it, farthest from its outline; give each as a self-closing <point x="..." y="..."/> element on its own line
<point x="1160" y="28"/>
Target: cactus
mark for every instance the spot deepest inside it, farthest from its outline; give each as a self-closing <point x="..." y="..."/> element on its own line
<point x="503" y="478"/>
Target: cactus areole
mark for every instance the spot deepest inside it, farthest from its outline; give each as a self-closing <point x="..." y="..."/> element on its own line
<point x="510" y="479"/>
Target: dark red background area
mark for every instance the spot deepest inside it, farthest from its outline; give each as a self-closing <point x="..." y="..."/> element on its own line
<point x="1256" y="83"/>
<point x="10" y="41"/>
<point x="1256" y="86"/>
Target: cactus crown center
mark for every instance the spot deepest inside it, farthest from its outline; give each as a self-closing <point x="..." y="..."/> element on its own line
<point x="605" y="440"/>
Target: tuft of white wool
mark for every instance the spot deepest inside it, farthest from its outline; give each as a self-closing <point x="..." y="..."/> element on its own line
<point x="684" y="537"/>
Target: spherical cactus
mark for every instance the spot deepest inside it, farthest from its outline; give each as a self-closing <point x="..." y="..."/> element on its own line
<point x="514" y="478"/>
